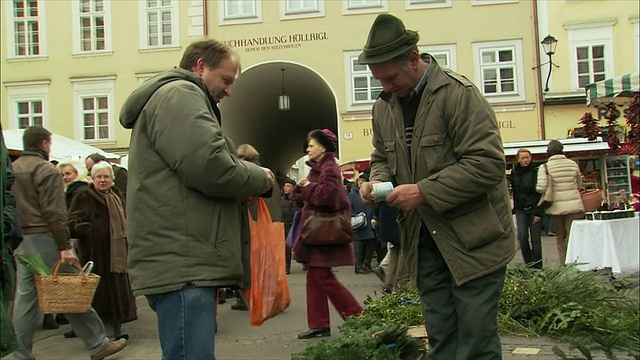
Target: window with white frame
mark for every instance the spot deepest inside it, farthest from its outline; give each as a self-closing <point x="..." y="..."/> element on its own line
<point x="92" y="26"/>
<point x="301" y="6"/>
<point x="363" y="88"/>
<point x="445" y="55"/>
<point x="359" y="4"/>
<point x="27" y="104"/>
<point x="492" y="2"/>
<point x="95" y="117"/>
<point x="26" y="19"/>
<point x="159" y="26"/>
<point x="299" y="9"/>
<point x="591" y="53"/>
<point x="240" y="11"/>
<point x="427" y="4"/>
<point x="94" y="110"/>
<point x="29" y="113"/>
<point x="364" y="6"/>
<point x="590" y="61"/>
<point x="499" y="70"/>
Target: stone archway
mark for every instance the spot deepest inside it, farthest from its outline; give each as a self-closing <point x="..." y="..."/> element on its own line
<point x="251" y="114"/>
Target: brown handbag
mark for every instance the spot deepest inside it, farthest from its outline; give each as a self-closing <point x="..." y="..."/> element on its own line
<point x="547" y="199"/>
<point x="326" y="228"/>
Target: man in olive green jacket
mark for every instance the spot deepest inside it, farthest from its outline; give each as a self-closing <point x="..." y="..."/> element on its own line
<point x="437" y="139"/>
<point x="187" y="229"/>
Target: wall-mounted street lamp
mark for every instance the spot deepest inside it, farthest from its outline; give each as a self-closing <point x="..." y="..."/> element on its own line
<point x="284" y="103"/>
<point x="549" y="44"/>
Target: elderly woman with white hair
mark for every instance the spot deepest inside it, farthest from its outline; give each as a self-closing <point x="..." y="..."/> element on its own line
<point x="97" y="219"/>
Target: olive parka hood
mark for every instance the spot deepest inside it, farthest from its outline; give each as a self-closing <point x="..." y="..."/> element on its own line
<point x="140" y="96"/>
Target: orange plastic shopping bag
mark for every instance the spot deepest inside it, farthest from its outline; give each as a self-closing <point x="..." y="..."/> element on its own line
<point x="269" y="294"/>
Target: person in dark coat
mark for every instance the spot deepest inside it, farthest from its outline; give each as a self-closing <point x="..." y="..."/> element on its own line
<point x="393" y="269"/>
<point x="528" y="213"/>
<point x="247" y="152"/>
<point x="365" y="238"/>
<point x="287" y="209"/>
<point x="323" y="188"/>
<point x="74" y="177"/>
<point x="97" y="219"/>
<point x="10" y="238"/>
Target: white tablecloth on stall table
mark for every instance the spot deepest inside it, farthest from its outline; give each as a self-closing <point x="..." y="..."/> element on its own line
<point x="605" y="243"/>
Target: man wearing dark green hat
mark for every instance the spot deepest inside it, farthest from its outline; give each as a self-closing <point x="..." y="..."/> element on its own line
<point x="437" y="139"/>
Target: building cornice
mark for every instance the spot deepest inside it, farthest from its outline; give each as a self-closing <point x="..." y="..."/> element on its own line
<point x="588" y="25"/>
<point x="513" y="107"/>
<point x="357" y="115"/>
<point x="43" y="82"/>
<point x="88" y="78"/>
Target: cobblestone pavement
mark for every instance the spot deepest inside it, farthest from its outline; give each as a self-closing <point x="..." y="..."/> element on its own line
<point x="276" y="339"/>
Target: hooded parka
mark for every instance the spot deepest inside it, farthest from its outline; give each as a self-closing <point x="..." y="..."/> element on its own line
<point x="186" y="222"/>
<point x="458" y="163"/>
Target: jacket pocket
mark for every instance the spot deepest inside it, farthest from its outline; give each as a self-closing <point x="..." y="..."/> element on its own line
<point x="436" y="150"/>
<point x="475" y="222"/>
<point x="392" y="156"/>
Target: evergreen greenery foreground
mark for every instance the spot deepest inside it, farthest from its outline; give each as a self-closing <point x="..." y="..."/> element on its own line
<point x="586" y="309"/>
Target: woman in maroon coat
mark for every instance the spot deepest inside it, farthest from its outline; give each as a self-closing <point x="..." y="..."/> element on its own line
<point x="323" y="188"/>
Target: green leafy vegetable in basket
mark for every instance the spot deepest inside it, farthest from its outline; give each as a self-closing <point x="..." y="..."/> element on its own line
<point x="35" y="264"/>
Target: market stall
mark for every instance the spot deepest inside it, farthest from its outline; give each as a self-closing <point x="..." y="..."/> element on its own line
<point x="609" y="97"/>
<point x="61" y="147"/>
<point x="588" y="154"/>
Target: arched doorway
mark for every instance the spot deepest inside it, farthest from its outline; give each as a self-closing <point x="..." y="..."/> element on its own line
<point x="251" y="114"/>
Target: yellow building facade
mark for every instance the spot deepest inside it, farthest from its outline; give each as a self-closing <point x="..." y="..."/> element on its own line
<point x="70" y="64"/>
<point x="597" y="40"/>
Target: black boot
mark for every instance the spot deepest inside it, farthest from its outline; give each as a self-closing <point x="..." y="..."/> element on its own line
<point x="222" y="296"/>
<point x="61" y="319"/>
<point x="313" y="333"/>
<point x="240" y="303"/>
<point x="48" y="323"/>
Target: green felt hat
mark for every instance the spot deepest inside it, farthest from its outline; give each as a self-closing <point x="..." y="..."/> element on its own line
<point x="388" y="38"/>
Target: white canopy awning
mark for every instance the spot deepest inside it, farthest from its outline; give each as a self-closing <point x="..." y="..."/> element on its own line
<point x="570" y="145"/>
<point x="61" y="147"/>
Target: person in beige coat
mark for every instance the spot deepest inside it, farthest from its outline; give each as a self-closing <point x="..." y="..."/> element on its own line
<point x="566" y="183"/>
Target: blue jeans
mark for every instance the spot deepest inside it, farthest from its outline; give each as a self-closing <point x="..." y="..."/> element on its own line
<point x="531" y="251"/>
<point x="186" y="323"/>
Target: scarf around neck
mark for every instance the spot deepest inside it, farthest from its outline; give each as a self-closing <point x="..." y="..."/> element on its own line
<point x="118" y="233"/>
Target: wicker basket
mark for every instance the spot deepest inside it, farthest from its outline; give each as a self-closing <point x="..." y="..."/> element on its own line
<point x="591" y="199"/>
<point x="66" y="293"/>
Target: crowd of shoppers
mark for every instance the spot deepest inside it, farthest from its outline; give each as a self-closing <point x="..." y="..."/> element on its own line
<point x="446" y="225"/>
<point x="40" y="201"/>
